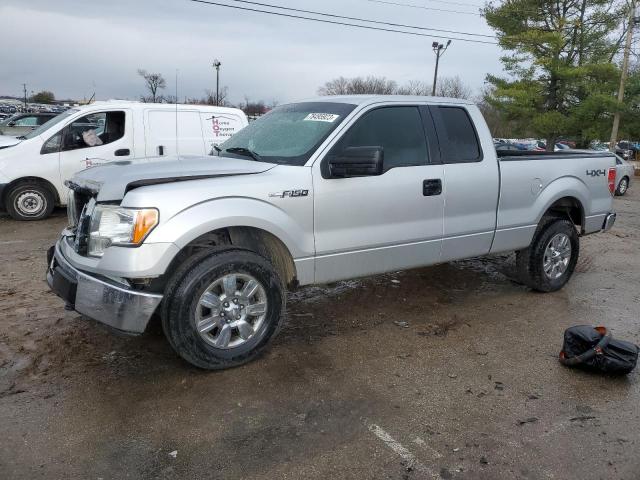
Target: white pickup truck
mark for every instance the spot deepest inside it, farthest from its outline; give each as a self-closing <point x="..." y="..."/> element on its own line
<point x="315" y="192"/>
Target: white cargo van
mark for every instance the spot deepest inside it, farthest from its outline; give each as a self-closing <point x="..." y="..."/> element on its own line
<point x="32" y="172"/>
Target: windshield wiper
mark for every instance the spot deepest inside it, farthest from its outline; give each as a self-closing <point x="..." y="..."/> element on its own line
<point x="245" y="152"/>
<point x="217" y="148"/>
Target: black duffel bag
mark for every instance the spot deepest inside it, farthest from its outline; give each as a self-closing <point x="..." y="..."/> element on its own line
<point x="593" y="348"/>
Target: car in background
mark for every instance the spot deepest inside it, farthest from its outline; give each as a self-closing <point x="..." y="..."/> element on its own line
<point x="33" y="172"/>
<point x="509" y="147"/>
<point x="598" y="146"/>
<point x="625" y="153"/>
<point x="8" y="109"/>
<point x="627" y="145"/>
<point x="23" y="123"/>
<point x="624" y="173"/>
<point x="542" y="147"/>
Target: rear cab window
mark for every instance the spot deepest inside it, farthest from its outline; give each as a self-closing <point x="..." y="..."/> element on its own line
<point x="456" y="134"/>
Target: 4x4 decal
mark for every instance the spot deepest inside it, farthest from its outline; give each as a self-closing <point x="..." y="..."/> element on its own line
<point x="596" y="173"/>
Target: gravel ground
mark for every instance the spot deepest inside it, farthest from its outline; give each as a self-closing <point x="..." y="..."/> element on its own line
<point x="444" y="372"/>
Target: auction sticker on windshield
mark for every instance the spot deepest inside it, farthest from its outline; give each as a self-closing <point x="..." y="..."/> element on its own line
<point x="322" y="117"/>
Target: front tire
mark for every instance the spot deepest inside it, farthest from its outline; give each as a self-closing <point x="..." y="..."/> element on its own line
<point x="30" y="201"/>
<point x="623" y="186"/>
<point x="549" y="262"/>
<point x="223" y="308"/>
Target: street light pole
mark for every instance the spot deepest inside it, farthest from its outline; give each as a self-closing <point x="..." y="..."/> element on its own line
<point x="633" y="21"/>
<point x="217" y="65"/>
<point x="439" y="50"/>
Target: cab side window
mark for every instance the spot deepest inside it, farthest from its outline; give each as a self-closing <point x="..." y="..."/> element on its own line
<point x="398" y="130"/>
<point x="94" y="130"/>
<point x="457" y="135"/>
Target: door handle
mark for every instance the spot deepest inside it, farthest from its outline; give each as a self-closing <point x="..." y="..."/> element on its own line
<point x="432" y="187"/>
<point x="123" y="152"/>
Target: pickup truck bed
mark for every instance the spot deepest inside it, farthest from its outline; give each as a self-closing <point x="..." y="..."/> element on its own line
<point x="530" y="183"/>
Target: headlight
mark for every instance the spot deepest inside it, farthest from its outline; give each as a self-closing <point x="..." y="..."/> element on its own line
<point x="113" y="225"/>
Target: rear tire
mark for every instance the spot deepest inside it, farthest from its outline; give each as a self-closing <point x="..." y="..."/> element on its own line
<point x="222" y="308"/>
<point x="549" y="262"/>
<point x="623" y="186"/>
<point x="30" y="201"/>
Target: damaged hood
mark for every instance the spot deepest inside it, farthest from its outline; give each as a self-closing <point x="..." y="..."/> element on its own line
<point x="113" y="180"/>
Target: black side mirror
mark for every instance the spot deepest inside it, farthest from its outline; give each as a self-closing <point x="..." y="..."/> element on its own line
<point x="357" y="162"/>
<point x="11" y="124"/>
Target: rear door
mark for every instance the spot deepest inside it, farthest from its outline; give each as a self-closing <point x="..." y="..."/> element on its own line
<point x="368" y="225"/>
<point x="169" y="132"/>
<point x="472" y="181"/>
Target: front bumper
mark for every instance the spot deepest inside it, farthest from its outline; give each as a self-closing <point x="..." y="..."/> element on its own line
<point x="114" y="305"/>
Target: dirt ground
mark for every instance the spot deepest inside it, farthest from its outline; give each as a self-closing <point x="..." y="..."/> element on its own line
<point x="444" y="372"/>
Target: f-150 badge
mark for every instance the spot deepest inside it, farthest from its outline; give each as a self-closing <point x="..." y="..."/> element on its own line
<point x="290" y="193"/>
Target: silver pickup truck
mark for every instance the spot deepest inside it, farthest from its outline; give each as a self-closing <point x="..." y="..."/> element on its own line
<point x="315" y="192"/>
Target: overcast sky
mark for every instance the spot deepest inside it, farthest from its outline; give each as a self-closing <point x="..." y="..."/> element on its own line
<point x="76" y="47"/>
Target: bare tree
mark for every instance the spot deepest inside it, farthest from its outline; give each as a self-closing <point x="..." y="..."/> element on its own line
<point x="358" y="86"/>
<point x="253" y="109"/>
<point x="415" y="87"/>
<point x="337" y="86"/>
<point x="153" y="82"/>
<point x="223" y="97"/>
<point x="453" y="87"/>
<point x="448" y="87"/>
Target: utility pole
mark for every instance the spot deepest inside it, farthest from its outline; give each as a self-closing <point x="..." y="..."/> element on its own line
<point x="439" y="50"/>
<point x="633" y="21"/>
<point x="217" y="65"/>
<point x="24" y="88"/>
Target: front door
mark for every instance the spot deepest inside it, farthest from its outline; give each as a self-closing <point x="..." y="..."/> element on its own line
<point x="375" y="224"/>
<point x="95" y="139"/>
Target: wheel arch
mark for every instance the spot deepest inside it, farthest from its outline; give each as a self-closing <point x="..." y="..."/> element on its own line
<point x="568" y="207"/>
<point x="30" y="179"/>
<point x="254" y="239"/>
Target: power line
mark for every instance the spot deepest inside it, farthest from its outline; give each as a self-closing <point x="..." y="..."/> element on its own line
<point x="367" y="27"/>
<point x="422" y="7"/>
<point x="462" y="4"/>
<point x="400" y="25"/>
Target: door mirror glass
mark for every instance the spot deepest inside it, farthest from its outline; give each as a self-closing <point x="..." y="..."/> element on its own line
<point x="357" y="162"/>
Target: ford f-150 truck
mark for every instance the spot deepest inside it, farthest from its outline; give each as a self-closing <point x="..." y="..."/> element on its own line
<point x="315" y="192"/>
